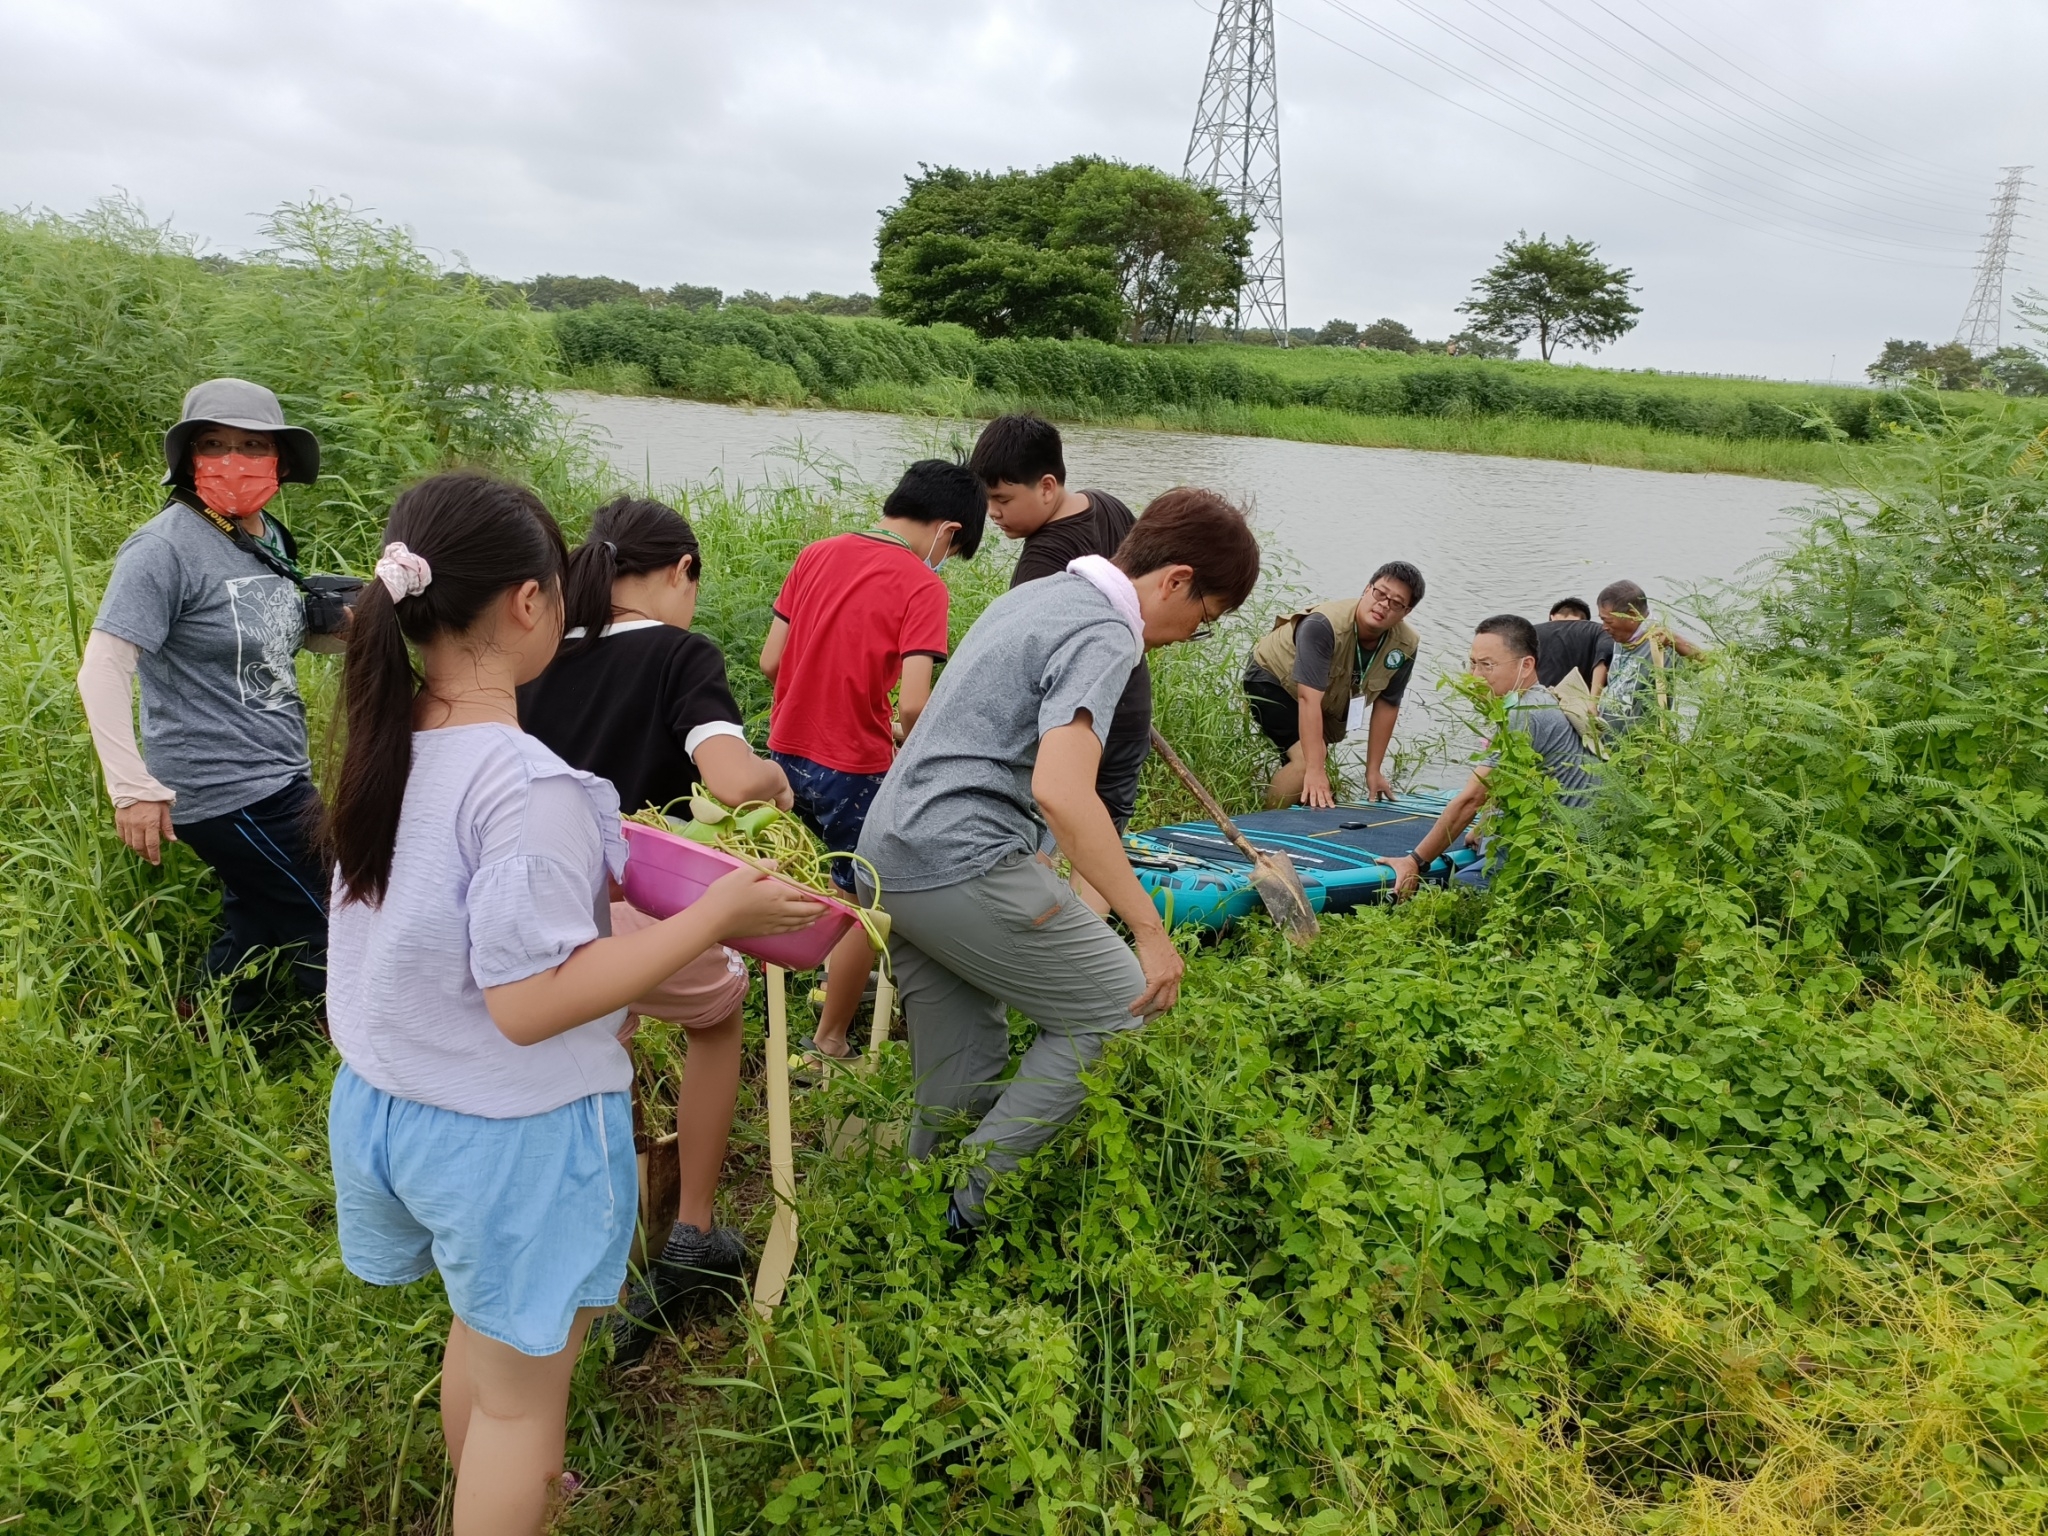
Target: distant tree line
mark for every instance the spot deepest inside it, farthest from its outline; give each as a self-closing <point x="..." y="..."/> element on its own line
<point x="1088" y="248"/>
<point x="1385" y="335"/>
<point x="2014" y="370"/>
<point x="551" y="291"/>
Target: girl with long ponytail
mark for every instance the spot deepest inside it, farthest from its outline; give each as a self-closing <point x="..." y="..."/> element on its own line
<point x="479" y="1123"/>
<point x="638" y="699"/>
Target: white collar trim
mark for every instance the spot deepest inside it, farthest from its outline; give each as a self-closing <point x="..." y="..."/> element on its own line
<point x="622" y="627"/>
<point x="1118" y="588"/>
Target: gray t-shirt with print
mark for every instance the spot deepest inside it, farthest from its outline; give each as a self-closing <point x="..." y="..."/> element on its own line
<point x="958" y="800"/>
<point x="222" y="721"/>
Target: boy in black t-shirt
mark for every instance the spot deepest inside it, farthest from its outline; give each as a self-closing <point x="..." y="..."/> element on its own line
<point x="1022" y="464"/>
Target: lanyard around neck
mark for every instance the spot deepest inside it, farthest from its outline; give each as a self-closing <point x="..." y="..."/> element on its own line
<point x="1364" y="667"/>
<point x="894" y="537"/>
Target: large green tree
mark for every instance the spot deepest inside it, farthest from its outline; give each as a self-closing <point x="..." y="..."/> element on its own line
<point x="2017" y="371"/>
<point x="1000" y="287"/>
<point x="1036" y="253"/>
<point x="1177" y="249"/>
<point x="1556" y="291"/>
<point x="1385" y="335"/>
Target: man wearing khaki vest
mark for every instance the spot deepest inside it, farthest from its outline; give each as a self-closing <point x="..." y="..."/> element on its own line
<point x="1331" y="669"/>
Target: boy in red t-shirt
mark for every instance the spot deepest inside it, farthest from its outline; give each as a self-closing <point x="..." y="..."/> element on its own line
<point x="858" y="614"/>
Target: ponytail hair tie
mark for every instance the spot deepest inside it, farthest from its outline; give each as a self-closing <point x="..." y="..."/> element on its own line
<point x="403" y="573"/>
<point x="608" y="544"/>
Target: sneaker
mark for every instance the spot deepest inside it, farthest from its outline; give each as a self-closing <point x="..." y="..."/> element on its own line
<point x="695" y="1266"/>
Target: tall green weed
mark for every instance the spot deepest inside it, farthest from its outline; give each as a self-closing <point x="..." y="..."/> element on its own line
<point x="105" y="322"/>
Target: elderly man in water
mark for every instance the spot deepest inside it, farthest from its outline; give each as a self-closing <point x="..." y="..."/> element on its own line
<point x="1643" y="654"/>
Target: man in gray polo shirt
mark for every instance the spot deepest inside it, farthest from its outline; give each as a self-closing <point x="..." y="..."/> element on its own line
<point x="1005" y="752"/>
<point x="1504" y="658"/>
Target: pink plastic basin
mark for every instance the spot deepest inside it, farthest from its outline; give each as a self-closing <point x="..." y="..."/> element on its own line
<point x="666" y="873"/>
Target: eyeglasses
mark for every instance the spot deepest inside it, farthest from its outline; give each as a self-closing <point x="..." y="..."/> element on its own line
<point x="1208" y="625"/>
<point x="1382" y="595"/>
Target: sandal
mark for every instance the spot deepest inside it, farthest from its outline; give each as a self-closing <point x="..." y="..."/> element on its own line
<point x="806" y="1073"/>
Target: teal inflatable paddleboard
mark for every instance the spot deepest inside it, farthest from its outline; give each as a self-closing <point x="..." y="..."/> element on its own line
<point x="1198" y="880"/>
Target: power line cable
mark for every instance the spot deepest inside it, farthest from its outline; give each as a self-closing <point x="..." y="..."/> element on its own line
<point x="1686" y="154"/>
<point x="1722" y="214"/>
<point x="1805" y="145"/>
<point x="1858" y="182"/>
<point x="1945" y="177"/>
<point x="1728" y="207"/>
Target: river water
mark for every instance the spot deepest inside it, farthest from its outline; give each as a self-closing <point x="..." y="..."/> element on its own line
<point x="1491" y="535"/>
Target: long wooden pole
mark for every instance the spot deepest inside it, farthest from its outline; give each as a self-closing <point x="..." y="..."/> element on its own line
<point x="778" y="1257"/>
<point x="885" y="999"/>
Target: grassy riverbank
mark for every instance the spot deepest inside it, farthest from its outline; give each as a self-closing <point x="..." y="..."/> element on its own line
<point x="1691" y="1183"/>
<point x="1816" y="433"/>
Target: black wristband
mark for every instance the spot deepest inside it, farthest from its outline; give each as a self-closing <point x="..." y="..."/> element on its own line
<point x="1421" y="863"/>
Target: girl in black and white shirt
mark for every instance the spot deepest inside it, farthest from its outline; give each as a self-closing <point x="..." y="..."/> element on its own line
<point x="637" y="698"/>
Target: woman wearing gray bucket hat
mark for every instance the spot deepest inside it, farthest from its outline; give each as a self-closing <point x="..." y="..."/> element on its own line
<point x="205" y="603"/>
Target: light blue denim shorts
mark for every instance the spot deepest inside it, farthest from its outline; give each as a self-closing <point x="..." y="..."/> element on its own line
<point x="527" y="1219"/>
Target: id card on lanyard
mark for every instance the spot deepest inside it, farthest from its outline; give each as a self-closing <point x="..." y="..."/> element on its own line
<point x="1354" y="713"/>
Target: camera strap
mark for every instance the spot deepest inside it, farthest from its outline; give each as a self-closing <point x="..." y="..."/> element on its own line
<point x="239" y="537"/>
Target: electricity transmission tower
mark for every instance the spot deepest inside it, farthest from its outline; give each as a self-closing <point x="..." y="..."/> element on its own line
<point x="1235" y="148"/>
<point x="1982" y="320"/>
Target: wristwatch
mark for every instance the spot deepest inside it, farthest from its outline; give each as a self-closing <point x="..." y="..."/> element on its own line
<point x="1421" y="864"/>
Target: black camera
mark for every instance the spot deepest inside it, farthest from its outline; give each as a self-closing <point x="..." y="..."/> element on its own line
<point x="328" y="600"/>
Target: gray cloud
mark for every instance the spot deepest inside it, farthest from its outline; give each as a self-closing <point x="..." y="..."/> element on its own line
<point x="750" y="146"/>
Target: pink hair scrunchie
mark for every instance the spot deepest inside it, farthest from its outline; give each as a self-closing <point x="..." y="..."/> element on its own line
<point x="403" y="573"/>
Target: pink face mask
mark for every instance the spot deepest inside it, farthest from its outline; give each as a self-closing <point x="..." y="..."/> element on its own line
<point x="234" y="483"/>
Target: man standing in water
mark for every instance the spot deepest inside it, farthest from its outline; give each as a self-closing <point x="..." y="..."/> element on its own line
<point x="1642" y="655"/>
<point x="1329" y="670"/>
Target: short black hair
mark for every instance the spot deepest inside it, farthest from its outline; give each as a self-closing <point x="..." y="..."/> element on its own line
<point x="1573" y="606"/>
<point x="940" y="491"/>
<point x="1405" y="574"/>
<point x="1624" y="597"/>
<point x="1021" y="449"/>
<point x="1514" y="631"/>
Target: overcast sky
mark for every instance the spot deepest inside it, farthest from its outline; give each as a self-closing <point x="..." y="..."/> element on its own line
<point x="1825" y="167"/>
